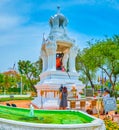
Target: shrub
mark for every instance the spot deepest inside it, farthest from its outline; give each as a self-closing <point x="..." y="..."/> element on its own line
<point x="110" y="125"/>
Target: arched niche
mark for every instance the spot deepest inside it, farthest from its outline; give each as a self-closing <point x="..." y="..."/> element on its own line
<point x="62" y="55"/>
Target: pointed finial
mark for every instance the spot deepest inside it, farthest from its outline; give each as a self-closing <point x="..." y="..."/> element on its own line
<point x="58" y="9"/>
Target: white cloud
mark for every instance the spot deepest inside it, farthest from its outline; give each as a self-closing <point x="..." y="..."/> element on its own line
<point x="21" y="43"/>
<point x="4" y="1"/>
<point x="7" y="22"/>
<point x="23" y="34"/>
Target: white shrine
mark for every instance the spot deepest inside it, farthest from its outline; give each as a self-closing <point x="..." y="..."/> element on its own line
<point x="58" y="53"/>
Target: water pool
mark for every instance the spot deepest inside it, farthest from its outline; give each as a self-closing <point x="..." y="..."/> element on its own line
<point x="19" y="119"/>
<point x="44" y="116"/>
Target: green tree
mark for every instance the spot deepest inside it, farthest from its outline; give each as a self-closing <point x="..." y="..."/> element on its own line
<point x="84" y="66"/>
<point x="31" y="71"/>
<point x="2" y="81"/>
<point x="104" y="54"/>
<point x="7" y="83"/>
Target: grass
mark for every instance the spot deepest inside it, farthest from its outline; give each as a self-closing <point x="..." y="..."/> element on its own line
<point x="44" y="117"/>
<point x="15" y="98"/>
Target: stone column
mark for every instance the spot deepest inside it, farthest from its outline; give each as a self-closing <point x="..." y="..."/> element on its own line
<point x="44" y="59"/>
<point x="72" y="56"/>
<point x="51" y="53"/>
<point x="65" y="60"/>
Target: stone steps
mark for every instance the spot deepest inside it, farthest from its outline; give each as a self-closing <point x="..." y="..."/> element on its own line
<point x="41" y="102"/>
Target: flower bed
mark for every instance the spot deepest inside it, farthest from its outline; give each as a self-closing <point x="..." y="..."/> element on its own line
<point x="110" y="125"/>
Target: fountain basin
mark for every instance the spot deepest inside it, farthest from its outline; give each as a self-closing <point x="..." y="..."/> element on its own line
<point x="87" y="122"/>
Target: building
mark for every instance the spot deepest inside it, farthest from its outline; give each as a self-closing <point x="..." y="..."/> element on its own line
<point x="58" y="53"/>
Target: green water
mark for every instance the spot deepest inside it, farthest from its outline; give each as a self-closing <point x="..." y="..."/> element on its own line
<point x="44" y="116"/>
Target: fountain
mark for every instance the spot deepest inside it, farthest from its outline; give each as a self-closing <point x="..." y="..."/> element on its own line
<point x="31" y="111"/>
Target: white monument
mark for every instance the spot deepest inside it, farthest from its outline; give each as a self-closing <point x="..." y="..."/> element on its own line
<point x="58" y="53"/>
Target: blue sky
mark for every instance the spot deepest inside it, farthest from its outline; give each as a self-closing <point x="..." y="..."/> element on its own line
<point x="23" y="22"/>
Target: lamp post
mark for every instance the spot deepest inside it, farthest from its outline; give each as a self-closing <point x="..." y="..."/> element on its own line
<point x="21" y="87"/>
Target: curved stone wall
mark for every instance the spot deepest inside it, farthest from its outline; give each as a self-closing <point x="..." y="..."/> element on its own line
<point x="5" y="124"/>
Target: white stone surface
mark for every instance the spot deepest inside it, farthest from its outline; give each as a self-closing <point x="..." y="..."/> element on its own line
<point x="53" y="78"/>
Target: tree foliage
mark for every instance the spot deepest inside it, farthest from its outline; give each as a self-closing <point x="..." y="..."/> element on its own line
<point x="103" y="55"/>
<point x="31" y="71"/>
<point x="107" y="58"/>
<point x="84" y="66"/>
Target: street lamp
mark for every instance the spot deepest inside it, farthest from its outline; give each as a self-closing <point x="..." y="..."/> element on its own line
<point x="21" y="87"/>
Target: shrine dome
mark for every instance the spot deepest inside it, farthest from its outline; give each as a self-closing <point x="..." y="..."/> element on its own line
<point x="58" y="20"/>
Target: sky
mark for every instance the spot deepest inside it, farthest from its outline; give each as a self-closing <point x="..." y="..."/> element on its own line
<point x="23" y="22"/>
